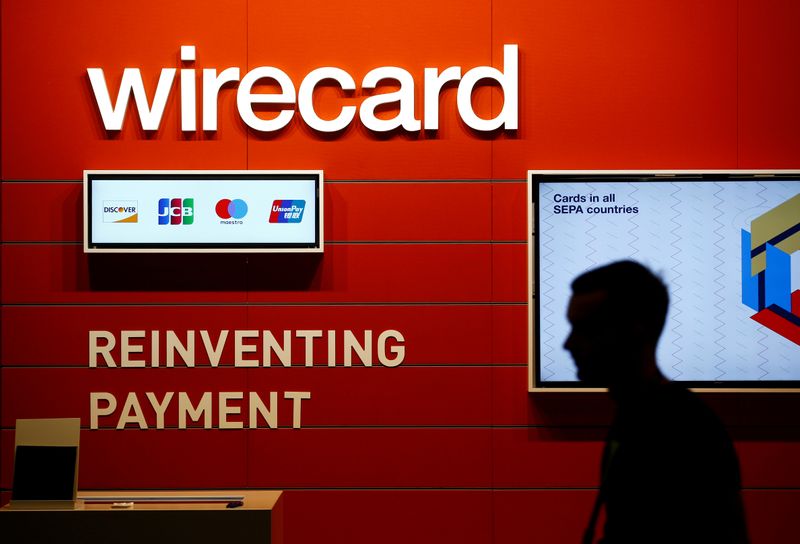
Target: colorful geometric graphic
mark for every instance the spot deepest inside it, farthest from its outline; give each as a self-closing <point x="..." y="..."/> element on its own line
<point x="767" y="269"/>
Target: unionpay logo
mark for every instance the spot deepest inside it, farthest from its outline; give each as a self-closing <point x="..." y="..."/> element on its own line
<point x="287" y="211"/>
<point x="120" y="211"/>
<point x="175" y="211"/>
<point x="231" y="211"/>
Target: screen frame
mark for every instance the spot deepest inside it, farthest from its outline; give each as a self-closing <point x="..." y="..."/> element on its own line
<point x="316" y="176"/>
<point x="535" y="384"/>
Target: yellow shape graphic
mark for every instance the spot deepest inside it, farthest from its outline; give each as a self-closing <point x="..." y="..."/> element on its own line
<point x="766" y="227"/>
<point x="132" y="219"/>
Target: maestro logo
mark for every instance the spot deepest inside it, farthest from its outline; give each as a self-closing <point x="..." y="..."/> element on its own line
<point x="175" y="211"/>
<point x="767" y="269"/>
<point x="287" y="211"/>
<point x="120" y="211"/>
<point x="231" y="210"/>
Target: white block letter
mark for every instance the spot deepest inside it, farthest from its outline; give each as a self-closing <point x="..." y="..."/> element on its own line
<point x="225" y="410"/>
<point x="433" y="86"/>
<point x="405" y="96"/>
<point x="270" y="414"/>
<point x="150" y="117"/>
<point x="399" y="352"/>
<point x="185" y="408"/>
<point x="271" y="344"/>
<point x="508" y="82"/>
<point x="173" y="345"/>
<point x="212" y="83"/>
<point x="297" y="398"/>
<point x="214" y="352"/>
<point x="309" y="337"/>
<point x="131" y="413"/>
<point x="239" y="349"/>
<point x="245" y="99"/>
<point x="160" y="407"/>
<point x="95" y="412"/>
<point x="105" y="351"/>
<point x="306" y="103"/>
<point x="126" y="348"/>
<point x="351" y="344"/>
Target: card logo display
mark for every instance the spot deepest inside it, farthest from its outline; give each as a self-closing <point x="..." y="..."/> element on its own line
<point x="176" y="211"/>
<point x="120" y="211"/>
<point x="287" y="211"/>
<point x="231" y="211"/>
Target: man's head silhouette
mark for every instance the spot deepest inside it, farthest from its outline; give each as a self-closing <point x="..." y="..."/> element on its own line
<point x="617" y="313"/>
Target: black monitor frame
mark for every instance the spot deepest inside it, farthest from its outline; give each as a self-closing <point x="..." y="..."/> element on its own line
<point x="535" y="383"/>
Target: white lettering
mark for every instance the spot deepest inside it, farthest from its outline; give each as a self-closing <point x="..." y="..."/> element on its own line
<point x="185" y="351"/>
<point x="105" y="350"/>
<point x="160" y="407"/>
<point x="283" y="101"/>
<point x="131" y="413"/>
<point x="239" y="349"/>
<point x="95" y="411"/>
<point x="351" y="344"/>
<point x="257" y="408"/>
<point x="297" y="398"/>
<point x="225" y="410"/>
<point x="185" y="408"/>
<point x="150" y="117"/>
<point x="306" y="103"/>
<point x="508" y="82"/>
<point x="245" y="99"/>
<point x="126" y="349"/>
<point x="309" y="337"/>
<point x="214" y="352"/>
<point x="271" y="346"/>
<point x="212" y="84"/>
<point x="433" y="87"/>
<point x="405" y="96"/>
<point x="398" y="351"/>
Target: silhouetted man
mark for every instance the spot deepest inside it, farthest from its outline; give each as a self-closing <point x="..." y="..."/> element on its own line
<point x="669" y="471"/>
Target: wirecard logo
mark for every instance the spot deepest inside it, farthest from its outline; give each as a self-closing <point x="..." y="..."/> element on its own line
<point x="176" y="211"/>
<point x="120" y="211"/>
<point x="287" y="211"/>
<point x="292" y="98"/>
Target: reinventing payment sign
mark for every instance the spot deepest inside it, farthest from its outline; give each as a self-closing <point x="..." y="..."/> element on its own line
<point x="203" y="211"/>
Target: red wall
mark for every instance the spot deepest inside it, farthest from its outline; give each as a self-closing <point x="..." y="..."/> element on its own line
<point x="425" y="233"/>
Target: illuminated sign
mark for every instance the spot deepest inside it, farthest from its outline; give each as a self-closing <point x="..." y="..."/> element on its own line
<point x="130" y="211"/>
<point x="151" y="113"/>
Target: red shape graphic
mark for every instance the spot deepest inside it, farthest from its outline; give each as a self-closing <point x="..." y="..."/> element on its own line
<point x="176" y="204"/>
<point x="796" y="303"/>
<point x="222" y="208"/>
<point x="778" y="324"/>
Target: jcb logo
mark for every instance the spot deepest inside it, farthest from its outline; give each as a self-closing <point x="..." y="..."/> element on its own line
<point x="176" y="211"/>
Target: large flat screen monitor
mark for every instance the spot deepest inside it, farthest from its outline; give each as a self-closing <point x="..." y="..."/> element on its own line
<point x="727" y="245"/>
<point x="203" y="211"/>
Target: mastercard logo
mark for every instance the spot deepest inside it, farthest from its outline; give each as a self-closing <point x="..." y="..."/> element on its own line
<point x="231" y="209"/>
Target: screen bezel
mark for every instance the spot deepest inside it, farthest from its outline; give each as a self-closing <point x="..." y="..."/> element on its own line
<point x="535" y="384"/>
<point x="192" y="175"/>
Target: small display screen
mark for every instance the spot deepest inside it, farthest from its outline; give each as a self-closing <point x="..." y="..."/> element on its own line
<point x="214" y="212"/>
<point x="44" y="473"/>
<point x="726" y="245"/>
